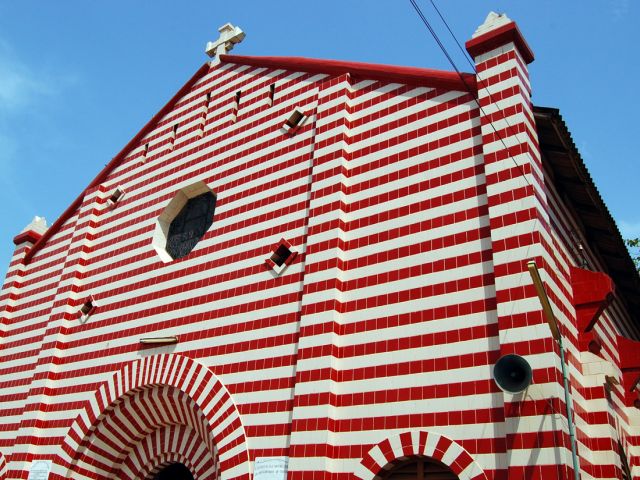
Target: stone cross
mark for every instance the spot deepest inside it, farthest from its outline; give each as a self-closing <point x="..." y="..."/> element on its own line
<point x="229" y="36"/>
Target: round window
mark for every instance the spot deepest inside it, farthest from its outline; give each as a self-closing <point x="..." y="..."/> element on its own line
<point x="189" y="226"/>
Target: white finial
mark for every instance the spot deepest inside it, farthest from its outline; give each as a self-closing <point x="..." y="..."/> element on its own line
<point x="38" y="225"/>
<point x="229" y="36"/>
<point x="493" y="21"/>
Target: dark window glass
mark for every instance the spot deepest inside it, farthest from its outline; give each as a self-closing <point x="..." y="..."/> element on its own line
<point x="281" y="255"/>
<point x="175" y="471"/>
<point x="190" y="225"/>
<point x="420" y="469"/>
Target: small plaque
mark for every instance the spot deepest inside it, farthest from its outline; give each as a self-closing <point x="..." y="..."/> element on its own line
<point x="40" y="470"/>
<point x="270" y="468"/>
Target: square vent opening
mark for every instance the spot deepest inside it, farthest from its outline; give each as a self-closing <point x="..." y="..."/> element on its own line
<point x="116" y="196"/>
<point x="294" y="122"/>
<point x="283" y="255"/>
<point x="87" y="309"/>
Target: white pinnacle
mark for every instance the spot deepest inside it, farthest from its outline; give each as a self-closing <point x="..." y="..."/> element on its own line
<point x="493" y="21"/>
<point x="38" y="225"/>
<point x="229" y="36"/>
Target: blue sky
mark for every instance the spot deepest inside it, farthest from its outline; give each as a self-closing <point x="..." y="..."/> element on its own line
<point x="78" y="79"/>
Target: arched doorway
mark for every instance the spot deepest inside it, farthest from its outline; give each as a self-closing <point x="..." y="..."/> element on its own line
<point x="419" y="468"/>
<point x="157" y="411"/>
<point x="174" y="471"/>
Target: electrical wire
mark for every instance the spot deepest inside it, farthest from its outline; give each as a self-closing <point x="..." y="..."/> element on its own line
<point x="476" y="100"/>
<point x="435" y="36"/>
<point x="469" y="89"/>
<point x="465" y="54"/>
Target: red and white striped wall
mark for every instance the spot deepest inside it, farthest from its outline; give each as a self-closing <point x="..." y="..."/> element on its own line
<point x="413" y="198"/>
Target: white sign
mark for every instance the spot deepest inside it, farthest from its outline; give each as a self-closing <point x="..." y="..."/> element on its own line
<point x="40" y="470"/>
<point x="270" y="468"/>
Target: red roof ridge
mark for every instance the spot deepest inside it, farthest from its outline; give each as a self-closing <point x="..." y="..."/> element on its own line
<point x="413" y="75"/>
<point x="115" y="161"/>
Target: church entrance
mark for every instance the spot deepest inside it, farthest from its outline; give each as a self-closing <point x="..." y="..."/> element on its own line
<point x="419" y="468"/>
<point x="174" y="471"/>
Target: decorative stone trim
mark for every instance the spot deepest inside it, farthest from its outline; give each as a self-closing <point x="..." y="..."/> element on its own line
<point x="193" y="379"/>
<point x="419" y="443"/>
<point x="173" y="208"/>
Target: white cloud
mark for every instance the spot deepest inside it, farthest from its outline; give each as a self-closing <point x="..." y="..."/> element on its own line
<point x="18" y="85"/>
<point x="21" y="86"/>
<point x="629" y="229"/>
<point x="585" y="151"/>
<point x="8" y="149"/>
<point x="619" y="8"/>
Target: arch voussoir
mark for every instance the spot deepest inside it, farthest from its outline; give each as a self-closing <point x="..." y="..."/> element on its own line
<point x="157" y="382"/>
<point x="419" y="443"/>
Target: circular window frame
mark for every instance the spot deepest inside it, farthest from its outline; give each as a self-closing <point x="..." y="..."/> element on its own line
<point x="170" y="212"/>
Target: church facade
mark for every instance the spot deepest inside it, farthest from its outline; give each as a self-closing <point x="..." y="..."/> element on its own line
<point x="308" y="269"/>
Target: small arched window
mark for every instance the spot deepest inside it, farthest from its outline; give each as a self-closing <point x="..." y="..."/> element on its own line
<point x="190" y="225"/>
<point x="419" y="468"/>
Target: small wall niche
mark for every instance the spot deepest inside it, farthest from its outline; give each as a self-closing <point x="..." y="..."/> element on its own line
<point x="295" y="121"/>
<point x="86" y="309"/>
<point x="116" y="196"/>
<point x="281" y="257"/>
<point x="272" y="94"/>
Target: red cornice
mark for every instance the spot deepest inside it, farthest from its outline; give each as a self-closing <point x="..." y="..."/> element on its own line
<point x="28" y="236"/>
<point x="411" y="75"/>
<point x="592" y="293"/>
<point x="115" y="161"/>
<point x="500" y="36"/>
<point x="630" y="367"/>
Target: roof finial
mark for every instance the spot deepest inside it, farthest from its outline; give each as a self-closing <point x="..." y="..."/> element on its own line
<point x="32" y="232"/>
<point x="493" y="21"/>
<point x="229" y="36"/>
<point x="38" y="225"/>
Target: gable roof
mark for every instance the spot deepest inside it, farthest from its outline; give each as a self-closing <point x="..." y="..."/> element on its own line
<point x="573" y="180"/>
<point x="115" y="161"/>
<point x="410" y="75"/>
<point x="556" y="143"/>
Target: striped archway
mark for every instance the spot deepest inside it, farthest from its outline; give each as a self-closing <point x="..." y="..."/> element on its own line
<point x="139" y="454"/>
<point x="154" y="400"/>
<point x="166" y="446"/>
<point x="381" y="457"/>
<point x="141" y="425"/>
